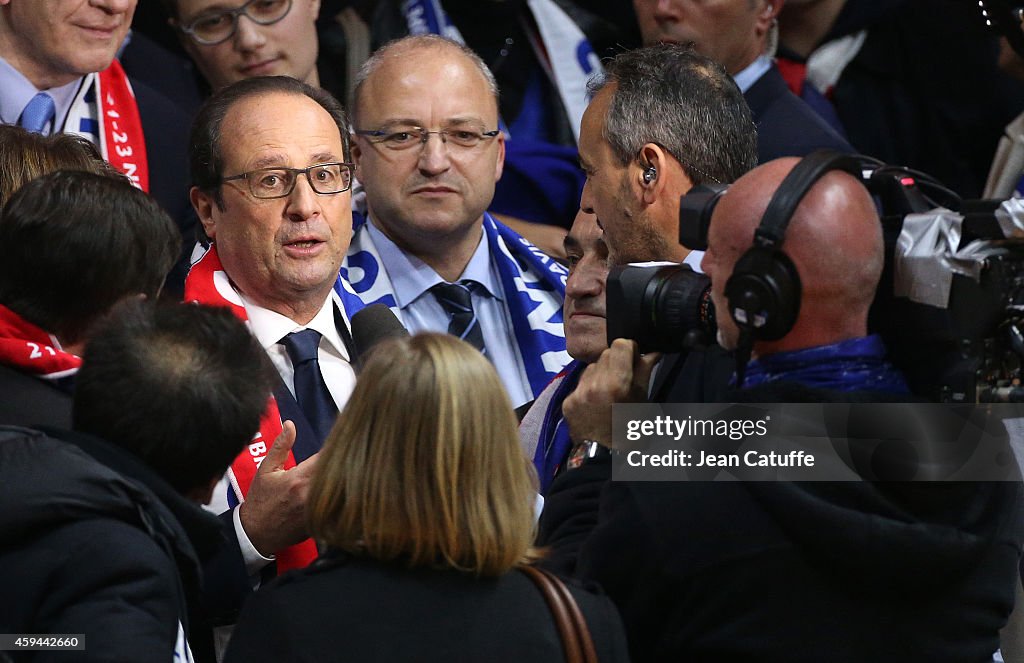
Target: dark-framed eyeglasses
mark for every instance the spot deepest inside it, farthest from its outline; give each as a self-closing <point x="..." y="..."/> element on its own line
<point x="405" y="137"/>
<point x="219" y="25"/>
<point x="323" y="178"/>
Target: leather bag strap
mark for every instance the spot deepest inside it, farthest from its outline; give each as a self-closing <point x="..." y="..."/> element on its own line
<point x="576" y="640"/>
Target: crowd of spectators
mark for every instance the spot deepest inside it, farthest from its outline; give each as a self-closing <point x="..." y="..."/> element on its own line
<point x="211" y="209"/>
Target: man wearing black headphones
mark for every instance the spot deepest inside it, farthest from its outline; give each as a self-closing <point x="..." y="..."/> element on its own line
<point x="794" y="253"/>
<point x="800" y="571"/>
<point x="796" y="272"/>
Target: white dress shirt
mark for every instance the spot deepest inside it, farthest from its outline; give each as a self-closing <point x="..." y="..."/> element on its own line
<point x="269" y="328"/>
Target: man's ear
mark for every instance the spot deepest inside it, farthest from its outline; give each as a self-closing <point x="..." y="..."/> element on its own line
<point x="651" y="172"/>
<point x="314" y="8"/>
<point x="769" y="13"/>
<point x="204" y="204"/>
<point x="355" y="150"/>
<point x="500" y="165"/>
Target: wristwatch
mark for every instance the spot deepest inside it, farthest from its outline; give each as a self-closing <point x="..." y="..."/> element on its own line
<point x="583" y="450"/>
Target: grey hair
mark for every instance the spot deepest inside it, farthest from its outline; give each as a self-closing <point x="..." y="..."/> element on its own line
<point x="676" y="98"/>
<point x="398" y="47"/>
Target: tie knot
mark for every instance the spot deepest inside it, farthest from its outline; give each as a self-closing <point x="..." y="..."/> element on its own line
<point x="302" y="345"/>
<point x="454" y="297"/>
<point x="37" y="113"/>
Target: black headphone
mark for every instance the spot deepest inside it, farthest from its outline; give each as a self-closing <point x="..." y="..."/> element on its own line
<point x="650" y="174"/>
<point x="764" y="290"/>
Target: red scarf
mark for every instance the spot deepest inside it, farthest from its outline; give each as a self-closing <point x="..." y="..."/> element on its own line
<point x="207" y="283"/>
<point x="121" y="139"/>
<point x="31" y="350"/>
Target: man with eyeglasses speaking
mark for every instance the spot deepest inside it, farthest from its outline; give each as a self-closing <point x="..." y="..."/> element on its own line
<point x="272" y="189"/>
<point x="428" y="153"/>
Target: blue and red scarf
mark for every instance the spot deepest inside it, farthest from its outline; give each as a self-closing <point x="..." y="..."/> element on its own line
<point x="208" y="283"/>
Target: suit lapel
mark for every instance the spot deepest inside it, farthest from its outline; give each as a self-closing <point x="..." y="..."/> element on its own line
<point x="306" y="442"/>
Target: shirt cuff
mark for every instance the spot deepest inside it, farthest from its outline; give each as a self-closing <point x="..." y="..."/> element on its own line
<point x="254" y="561"/>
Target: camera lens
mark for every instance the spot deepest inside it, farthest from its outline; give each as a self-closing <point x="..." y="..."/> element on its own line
<point x="664" y="307"/>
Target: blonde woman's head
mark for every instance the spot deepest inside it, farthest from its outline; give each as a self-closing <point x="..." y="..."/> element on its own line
<point x="424" y="465"/>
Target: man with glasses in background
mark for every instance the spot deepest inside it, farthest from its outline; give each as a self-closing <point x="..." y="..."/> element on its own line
<point x="428" y="153"/>
<point x="254" y="38"/>
<point x="272" y="181"/>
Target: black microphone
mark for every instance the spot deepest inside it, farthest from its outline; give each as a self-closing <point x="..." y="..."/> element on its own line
<point x="374" y="324"/>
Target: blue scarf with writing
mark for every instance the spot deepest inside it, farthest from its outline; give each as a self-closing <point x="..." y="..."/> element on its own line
<point x="532" y="282"/>
<point x="553" y="442"/>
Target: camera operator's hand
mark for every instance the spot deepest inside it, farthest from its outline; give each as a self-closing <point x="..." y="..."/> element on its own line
<point x="620" y="375"/>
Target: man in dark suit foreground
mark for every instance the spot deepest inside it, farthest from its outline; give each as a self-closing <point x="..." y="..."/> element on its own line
<point x="100" y="530"/>
<point x="272" y="189"/>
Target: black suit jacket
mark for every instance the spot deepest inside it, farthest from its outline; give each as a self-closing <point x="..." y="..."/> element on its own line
<point x="786" y="126"/>
<point x="571" y="505"/>
<point x="168" y="93"/>
<point x="232" y="585"/>
<point x="698" y="376"/>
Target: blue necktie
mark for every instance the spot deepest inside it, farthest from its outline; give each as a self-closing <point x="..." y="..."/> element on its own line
<point x="37" y="113"/>
<point x="457" y="301"/>
<point x="311" y="392"/>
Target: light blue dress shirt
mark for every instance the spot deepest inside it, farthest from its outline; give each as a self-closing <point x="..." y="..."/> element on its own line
<point x="16" y="91"/>
<point x="412" y="280"/>
<point x="754" y="71"/>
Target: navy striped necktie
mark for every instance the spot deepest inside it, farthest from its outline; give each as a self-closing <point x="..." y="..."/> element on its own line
<point x="311" y="392"/>
<point x="457" y="301"/>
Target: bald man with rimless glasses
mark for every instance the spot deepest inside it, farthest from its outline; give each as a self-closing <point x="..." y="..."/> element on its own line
<point x="428" y="153"/>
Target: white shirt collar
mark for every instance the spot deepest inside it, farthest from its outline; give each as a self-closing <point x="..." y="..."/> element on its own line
<point x="269" y="327"/>
<point x="693" y="259"/>
<point x="411" y="277"/>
